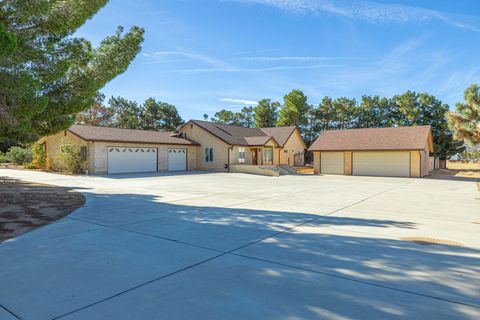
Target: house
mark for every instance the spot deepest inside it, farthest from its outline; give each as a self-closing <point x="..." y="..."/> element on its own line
<point x="222" y="145"/>
<point x="399" y="151"/>
<point x="113" y="150"/>
<point x="198" y="145"/>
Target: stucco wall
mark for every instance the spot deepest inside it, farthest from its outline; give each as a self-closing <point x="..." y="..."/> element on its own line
<point x="348" y="163"/>
<point x="425" y="155"/>
<point x="414" y="164"/>
<point x="207" y="140"/>
<point x="100" y="157"/>
<point x="293" y="145"/>
<point x="54" y="142"/>
<point x="316" y="162"/>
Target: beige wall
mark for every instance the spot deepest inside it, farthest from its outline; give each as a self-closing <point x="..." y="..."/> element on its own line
<point x="415" y="164"/>
<point x="293" y="145"/>
<point x="100" y="154"/>
<point x="348" y="163"/>
<point x="54" y="142"/>
<point x="316" y="162"/>
<point x="207" y="140"/>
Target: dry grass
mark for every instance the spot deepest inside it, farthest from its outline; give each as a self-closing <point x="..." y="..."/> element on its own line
<point x="463" y="166"/>
<point x="430" y="241"/>
<point x="25" y="206"/>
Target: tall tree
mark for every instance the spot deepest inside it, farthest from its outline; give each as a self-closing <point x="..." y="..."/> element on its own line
<point x="126" y="113"/>
<point x="49" y="76"/>
<point x="373" y="112"/>
<point x="98" y="115"/>
<point x="159" y="116"/>
<point x="246" y="117"/>
<point x="325" y="115"/>
<point x="344" y="111"/>
<point x="465" y="122"/>
<point x="265" y="113"/>
<point x="294" y="110"/>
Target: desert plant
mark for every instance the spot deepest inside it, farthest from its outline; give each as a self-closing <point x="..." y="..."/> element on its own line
<point x="69" y="159"/>
<point x="19" y="155"/>
<point x="39" y="157"/>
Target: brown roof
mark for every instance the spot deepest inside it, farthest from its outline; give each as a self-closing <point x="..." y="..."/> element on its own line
<point x="242" y="136"/>
<point x="398" y="138"/>
<point x="90" y="133"/>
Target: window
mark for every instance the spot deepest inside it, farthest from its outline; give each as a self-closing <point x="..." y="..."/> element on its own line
<point x="208" y="154"/>
<point x="285" y="151"/>
<point x="241" y="155"/>
<point x="64" y="148"/>
<point x="83" y="153"/>
<point x="268" y="155"/>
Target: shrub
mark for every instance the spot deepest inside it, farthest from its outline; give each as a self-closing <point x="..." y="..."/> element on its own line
<point x="69" y="159"/>
<point x="3" y="158"/>
<point x="39" y="157"/>
<point x="19" y="155"/>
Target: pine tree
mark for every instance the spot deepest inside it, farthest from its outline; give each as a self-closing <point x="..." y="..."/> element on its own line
<point x="265" y="113"/>
<point x="46" y="75"/>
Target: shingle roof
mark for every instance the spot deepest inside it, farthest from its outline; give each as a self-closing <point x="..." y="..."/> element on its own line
<point x="281" y="134"/>
<point x="91" y="133"/>
<point x="398" y="138"/>
<point x="242" y="136"/>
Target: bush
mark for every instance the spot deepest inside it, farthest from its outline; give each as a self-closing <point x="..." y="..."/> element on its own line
<point x="39" y="157"/>
<point x="69" y="160"/>
<point x="3" y="158"/>
<point x="19" y="155"/>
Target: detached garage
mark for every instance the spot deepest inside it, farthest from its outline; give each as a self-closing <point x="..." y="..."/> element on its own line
<point x="393" y="152"/>
<point x="114" y="150"/>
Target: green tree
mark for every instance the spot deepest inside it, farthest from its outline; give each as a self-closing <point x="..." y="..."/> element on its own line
<point x="159" y="116"/>
<point x="126" y="113"/>
<point x="373" y="112"/>
<point x="465" y="122"/>
<point x="344" y="112"/>
<point x="265" y="113"/>
<point x="294" y="111"/>
<point x="325" y="115"/>
<point x="98" y="115"/>
<point x="49" y="76"/>
<point x="245" y="117"/>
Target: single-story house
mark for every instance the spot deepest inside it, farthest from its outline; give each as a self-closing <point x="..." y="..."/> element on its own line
<point x="198" y="145"/>
<point x="113" y="150"/>
<point x="398" y="151"/>
<point x="222" y="145"/>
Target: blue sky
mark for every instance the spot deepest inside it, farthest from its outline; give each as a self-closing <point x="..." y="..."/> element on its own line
<point x="205" y="55"/>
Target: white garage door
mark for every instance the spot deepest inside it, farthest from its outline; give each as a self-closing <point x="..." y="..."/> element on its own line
<point x="332" y="162"/>
<point x="177" y="159"/>
<point x="391" y="164"/>
<point x="128" y="159"/>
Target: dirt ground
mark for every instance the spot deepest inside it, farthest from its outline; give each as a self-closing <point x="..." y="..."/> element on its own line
<point x="25" y="206"/>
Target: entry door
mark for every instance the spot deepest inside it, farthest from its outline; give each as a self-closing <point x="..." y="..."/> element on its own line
<point x="254" y="157"/>
<point x="129" y="160"/>
<point x="177" y="159"/>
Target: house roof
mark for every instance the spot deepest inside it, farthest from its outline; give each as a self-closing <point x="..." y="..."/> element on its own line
<point x="91" y="133"/>
<point x="235" y="135"/>
<point x="397" y="138"/>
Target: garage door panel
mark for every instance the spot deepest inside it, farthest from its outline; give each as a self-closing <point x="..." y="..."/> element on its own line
<point x="130" y="160"/>
<point x="177" y="159"/>
<point x="392" y="164"/>
<point x="332" y="162"/>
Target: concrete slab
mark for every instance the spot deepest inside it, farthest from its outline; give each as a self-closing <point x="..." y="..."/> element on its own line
<point x="216" y="228"/>
<point x="45" y="278"/>
<point x="447" y="272"/>
<point x="233" y="287"/>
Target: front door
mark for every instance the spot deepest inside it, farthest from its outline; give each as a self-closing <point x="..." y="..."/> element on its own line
<point x="254" y="157"/>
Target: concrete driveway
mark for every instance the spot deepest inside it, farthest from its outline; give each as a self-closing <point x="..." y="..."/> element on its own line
<point x="234" y="246"/>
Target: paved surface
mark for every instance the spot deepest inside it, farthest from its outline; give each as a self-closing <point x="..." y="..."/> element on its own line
<point x="234" y="246"/>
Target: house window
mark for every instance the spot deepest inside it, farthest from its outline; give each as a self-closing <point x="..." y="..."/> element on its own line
<point x="241" y="155"/>
<point x="268" y="155"/>
<point x="64" y="148"/>
<point x="83" y="153"/>
<point x="208" y="154"/>
<point x="285" y="151"/>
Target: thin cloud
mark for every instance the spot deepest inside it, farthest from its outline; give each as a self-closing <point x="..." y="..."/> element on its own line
<point x="371" y="11"/>
<point x="239" y="101"/>
<point x="295" y="58"/>
<point x="164" y="56"/>
<point x="255" y="70"/>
